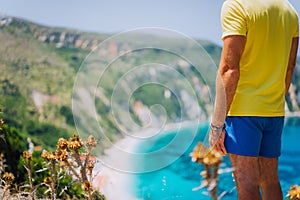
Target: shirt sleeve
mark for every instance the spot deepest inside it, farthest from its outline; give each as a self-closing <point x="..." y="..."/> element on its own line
<point x="295" y="21"/>
<point x="233" y="19"/>
<point x="296" y="34"/>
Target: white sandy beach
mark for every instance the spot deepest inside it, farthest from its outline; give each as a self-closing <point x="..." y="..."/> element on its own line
<point x="112" y="182"/>
<point x="115" y="176"/>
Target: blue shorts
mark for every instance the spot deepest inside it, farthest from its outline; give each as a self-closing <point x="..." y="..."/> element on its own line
<point x="254" y="136"/>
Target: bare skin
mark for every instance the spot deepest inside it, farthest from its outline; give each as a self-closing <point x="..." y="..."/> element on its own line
<point x="226" y="83"/>
<point x="291" y="64"/>
<point x="251" y="173"/>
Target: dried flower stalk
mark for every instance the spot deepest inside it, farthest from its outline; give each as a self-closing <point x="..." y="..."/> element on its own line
<point x="69" y="156"/>
<point x="28" y="158"/>
<point x="8" y="178"/>
<point x="211" y="159"/>
<point x="294" y="192"/>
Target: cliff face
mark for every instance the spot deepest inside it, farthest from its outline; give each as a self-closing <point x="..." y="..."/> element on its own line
<point x="56" y="36"/>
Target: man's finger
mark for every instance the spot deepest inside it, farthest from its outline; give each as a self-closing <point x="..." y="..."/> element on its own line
<point x="219" y="146"/>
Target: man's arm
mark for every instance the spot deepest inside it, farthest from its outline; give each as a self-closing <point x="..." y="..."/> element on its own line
<point x="226" y="84"/>
<point x="291" y="64"/>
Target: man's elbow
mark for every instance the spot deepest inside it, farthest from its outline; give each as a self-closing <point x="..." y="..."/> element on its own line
<point x="231" y="73"/>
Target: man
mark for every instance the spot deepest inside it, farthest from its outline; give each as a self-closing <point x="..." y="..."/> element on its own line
<point x="255" y="71"/>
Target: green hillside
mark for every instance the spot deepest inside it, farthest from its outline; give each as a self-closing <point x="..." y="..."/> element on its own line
<point x="39" y="66"/>
<point x="36" y="83"/>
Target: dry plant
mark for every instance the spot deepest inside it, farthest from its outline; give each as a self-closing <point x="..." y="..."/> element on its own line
<point x="211" y="160"/>
<point x="71" y="158"/>
<point x="6" y="180"/>
<point x="294" y="193"/>
<point x="2" y="163"/>
<point x="74" y="157"/>
<point x="28" y="166"/>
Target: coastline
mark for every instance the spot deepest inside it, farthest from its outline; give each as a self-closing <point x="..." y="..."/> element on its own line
<point x="113" y="181"/>
<point x="117" y="182"/>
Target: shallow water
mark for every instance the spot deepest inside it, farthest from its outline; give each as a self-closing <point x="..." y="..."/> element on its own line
<point x="177" y="180"/>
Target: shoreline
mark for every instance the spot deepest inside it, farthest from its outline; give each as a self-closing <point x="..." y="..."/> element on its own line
<point x="115" y="182"/>
<point x="111" y="180"/>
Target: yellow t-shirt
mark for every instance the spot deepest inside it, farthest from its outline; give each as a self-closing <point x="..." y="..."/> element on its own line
<point x="269" y="26"/>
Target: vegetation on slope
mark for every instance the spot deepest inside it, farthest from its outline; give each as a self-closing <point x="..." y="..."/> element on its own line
<point x="39" y="65"/>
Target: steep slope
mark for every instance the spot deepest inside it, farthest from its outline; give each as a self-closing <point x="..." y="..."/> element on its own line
<point x="35" y="83"/>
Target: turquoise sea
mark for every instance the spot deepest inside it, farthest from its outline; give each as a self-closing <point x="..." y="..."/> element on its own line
<point x="177" y="180"/>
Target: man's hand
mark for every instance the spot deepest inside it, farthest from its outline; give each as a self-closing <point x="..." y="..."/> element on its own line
<point x="216" y="140"/>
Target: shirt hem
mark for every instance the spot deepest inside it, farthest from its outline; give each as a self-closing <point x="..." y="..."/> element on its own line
<point x="258" y="114"/>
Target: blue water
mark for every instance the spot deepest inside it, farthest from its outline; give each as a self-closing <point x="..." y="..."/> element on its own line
<point x="177" y="180"/>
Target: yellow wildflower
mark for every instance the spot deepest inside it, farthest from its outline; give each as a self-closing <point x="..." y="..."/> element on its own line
<point x="48" y="180"/>
<point x="205" y="156"/>
<point x="74" y="142"/>
<point x="48" y="155"/>
<point x="27" y="155"/>
<point x="61" y="154"/>
<point x="8" y="177"/>
<point x="90" y="165"/>
<point x="62" y="143"/>
<point x="87" y="185"/>
<point x="294" y="192"/>
<point x="63" y="164"/>
<point x="91" y="142"/>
